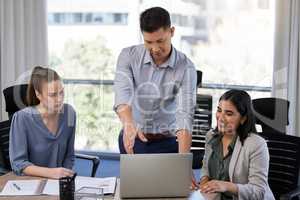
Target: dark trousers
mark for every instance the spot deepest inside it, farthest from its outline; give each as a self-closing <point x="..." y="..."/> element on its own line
<point x="165" y="145"/>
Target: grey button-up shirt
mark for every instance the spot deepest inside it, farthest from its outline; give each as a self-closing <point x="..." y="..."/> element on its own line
<point x="162" y="97"/>
<point x="31" y="142"/>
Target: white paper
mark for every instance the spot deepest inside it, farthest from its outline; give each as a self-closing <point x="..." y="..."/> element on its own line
<point x="30" y="187"/>
<point x="51" y="187"/>
<point x="21" y="187"/>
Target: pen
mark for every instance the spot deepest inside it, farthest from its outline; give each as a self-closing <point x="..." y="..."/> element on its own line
<point x="16" y="186"/>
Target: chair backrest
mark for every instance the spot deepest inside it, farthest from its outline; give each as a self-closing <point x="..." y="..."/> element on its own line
<point x="203" y="114"/>
<point x="271" y="114"/>
<point x="284" y="164"/>
<point x="201" y="124"/>
<point x="15" y="98"/>
<point x="199" y="78"/>
<point x="4" y="143"/>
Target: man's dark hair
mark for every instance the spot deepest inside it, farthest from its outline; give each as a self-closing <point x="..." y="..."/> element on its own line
<point x="153" y="19"/>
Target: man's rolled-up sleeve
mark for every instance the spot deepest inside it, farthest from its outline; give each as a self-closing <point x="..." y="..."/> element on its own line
<point x="123" y="82"/>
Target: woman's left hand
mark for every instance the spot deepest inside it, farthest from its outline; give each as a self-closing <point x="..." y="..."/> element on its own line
<point x="214" y="186"/>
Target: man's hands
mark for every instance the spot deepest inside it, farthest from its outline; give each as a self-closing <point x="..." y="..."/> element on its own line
<point x="129" y="135"/>
<point x="184" y="141"/>
<point x="129" y="129"/>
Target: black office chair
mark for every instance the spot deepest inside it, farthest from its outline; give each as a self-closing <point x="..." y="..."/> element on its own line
<point x="271" y="114"/>
<point x="284" y="165"/>
<point x="201" y="124"/>
<point x="4" y="145"/>
<point x="15" y="99"/>
<point x="199" y="79"/>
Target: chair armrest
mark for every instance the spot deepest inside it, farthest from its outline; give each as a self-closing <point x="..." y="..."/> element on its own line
<point x="95" y="161"/>
<point x="291" y="194"/>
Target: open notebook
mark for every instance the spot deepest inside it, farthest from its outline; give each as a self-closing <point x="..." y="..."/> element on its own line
<point x="51" y="187"/>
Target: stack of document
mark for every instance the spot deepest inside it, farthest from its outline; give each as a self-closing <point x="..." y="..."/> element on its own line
<point x="51" y="187"/>
<point x="23" y="187"/>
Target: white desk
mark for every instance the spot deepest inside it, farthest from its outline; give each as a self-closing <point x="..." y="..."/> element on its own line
<point x="196" y="195"/>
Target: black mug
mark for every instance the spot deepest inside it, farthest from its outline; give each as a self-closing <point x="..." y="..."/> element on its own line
<point x="67" y="188"/>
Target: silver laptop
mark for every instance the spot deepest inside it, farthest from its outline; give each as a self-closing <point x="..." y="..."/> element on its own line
<point x="155" y="175"/>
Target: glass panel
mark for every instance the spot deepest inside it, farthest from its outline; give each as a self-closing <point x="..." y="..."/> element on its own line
<point x="97" y="124"/>
<point x="230" y="41"/>
<point x="77" y="18"/>
<point x="263" y="4"/>
<point x="88" y="17"/>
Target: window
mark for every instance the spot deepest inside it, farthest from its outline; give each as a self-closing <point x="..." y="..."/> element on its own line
<point x="263" y="4"/>
<point x="59" y="18"/>
<point x="117" y="18"/>
<point x="77" y="18"/>
<point x="220" y="5"/>
<point x="229" y="41"/>
<point x="120" y="18"/>
<point x="199" y="23"/>
<point x="87" y="18"/>
<point x="98" y="18"/>
<point x="182" y="20"/>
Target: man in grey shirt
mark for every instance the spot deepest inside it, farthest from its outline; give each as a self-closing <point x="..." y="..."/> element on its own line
<point x="155" y="90"/>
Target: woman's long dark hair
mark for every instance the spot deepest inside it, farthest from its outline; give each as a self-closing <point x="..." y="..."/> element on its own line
<point x="39" y="76"/>
<point x="242" y="101"/>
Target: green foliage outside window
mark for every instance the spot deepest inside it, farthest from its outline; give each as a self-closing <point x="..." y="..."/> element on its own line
<point x="97" y="124"/>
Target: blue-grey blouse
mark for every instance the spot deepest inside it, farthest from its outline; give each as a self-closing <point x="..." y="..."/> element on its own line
<point x="31" y="142"/>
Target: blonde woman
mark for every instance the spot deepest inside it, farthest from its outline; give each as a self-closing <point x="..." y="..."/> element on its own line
<point x="42" y="135"/>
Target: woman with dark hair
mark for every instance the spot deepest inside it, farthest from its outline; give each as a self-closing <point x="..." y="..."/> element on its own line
<point x="42" y="135"/>
<point x="236" y="160"/>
